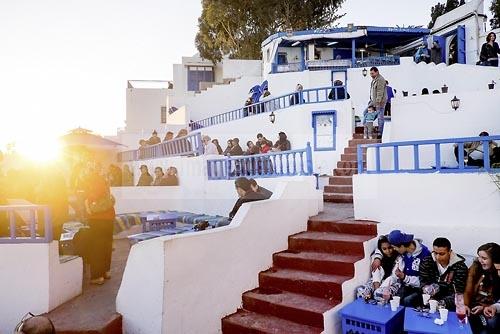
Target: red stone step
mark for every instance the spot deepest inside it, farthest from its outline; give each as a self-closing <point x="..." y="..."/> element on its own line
<point x="358" y="227"/>
<point x="338" y="189"/>
<point x="338" y="198"/>
<point x="309" y="283"/>
<point x="356" y="142"/>
<point x="345" y="171"/>
<point x="305" y="310"/>
<point x="316" y="262"/>
<point x="359" y="129"/>
<point x="246" y="322"/>
<point x="340" y="180"/>
<point x="329" y="242"/>
<point x="351" y="157"/>
<point x="358" y="135"/>
<point x="353" y="150"/>
<point x="348" y="164"/>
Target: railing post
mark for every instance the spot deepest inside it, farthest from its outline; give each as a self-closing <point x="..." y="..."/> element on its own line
<point x="438" y="156"/>
<point x="48" y="225"/>
<point x="228" y="167"/>
<point x="416" y="157"/>
<point x="486" y="155"/>
<point x="460" y="153"/>
<point x="12" y="224"/>
<point x="360" y="158"/>
<point x="377" y="159"/>
<point x="396" y="158"/>
<point x="309" y="159"/>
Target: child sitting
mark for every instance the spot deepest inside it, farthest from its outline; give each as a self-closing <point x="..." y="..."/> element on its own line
<point x="369" y="119"/>
<point x="383" y="280"/>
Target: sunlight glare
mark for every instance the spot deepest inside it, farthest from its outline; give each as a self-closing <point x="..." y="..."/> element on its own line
<point x="41" y="150"/>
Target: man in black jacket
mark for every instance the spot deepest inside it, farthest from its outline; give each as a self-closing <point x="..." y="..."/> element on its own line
<point x="443" y="273"/>
<point x="258" y="189"/>
<point x="245" y="193"/>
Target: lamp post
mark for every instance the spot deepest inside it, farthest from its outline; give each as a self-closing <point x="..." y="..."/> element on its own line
<point x="272" y="117"/>
<point x="365" y="72"/>
<point x="455" y="103"/>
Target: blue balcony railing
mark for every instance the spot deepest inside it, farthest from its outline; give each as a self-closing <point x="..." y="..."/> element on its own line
<point x="306" y="96"/>
<point x="23" y="224"/>
<point x="412" y="151"/>
<point x="184" y="146"/>
<point x="329" y="64"/>
<point x="273" y="164"/>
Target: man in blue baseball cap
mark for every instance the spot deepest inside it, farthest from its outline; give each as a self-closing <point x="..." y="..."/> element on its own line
<point x="413" y="252"/>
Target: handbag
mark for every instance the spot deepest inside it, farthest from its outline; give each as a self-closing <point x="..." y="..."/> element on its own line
<point x="101" y="205"/>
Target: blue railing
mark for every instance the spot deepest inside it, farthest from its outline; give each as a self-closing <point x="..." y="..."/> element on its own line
<point x="326" y="64"/>
<point x="184" y="146"/>
<point x="377" y="61"/>
<point x="413" y="151"/>
<point x="25" y="231"/>
<point x="273" y="164"/>
<point x="306" y="96"/>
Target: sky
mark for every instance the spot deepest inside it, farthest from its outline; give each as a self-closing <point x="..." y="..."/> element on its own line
<point x="65" y="64"/>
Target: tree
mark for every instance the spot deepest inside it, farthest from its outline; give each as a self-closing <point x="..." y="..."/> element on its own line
<point x="495" y="10"/>
<point x="443" y="8"/>
<point x="236" y="28"/>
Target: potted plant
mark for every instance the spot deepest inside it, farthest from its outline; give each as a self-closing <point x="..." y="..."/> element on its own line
<point x="444" y="89"/>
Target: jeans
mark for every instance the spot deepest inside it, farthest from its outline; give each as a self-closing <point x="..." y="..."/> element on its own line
<point x="492" y="325"/>
<point x="380" y="117"/>
<point x="368" y="132"/>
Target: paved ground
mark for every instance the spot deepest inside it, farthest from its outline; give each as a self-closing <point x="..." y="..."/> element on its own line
<point x="95" y="308"/>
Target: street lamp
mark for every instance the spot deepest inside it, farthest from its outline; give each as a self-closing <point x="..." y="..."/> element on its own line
<point x="365" y="72"/>
<point x="455" y="103"/>
<point x="272" y="117"/>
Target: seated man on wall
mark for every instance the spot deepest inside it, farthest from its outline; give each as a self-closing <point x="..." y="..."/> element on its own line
<point x="413" y="252"/>
<point x="443" y="273"/>
<point x="245" y="194"/>
<point x="261" y="190"/>
<point x="473" y="152"/>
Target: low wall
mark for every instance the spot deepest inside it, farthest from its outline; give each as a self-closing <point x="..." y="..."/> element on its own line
<point x="189" y="282"/>
<point x="34" y="281"/>
<point x="462" y="207"/>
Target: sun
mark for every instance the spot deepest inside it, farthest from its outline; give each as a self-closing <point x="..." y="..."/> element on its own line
<point x="40" y="150"/>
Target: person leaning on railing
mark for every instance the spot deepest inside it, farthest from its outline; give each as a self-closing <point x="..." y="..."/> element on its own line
<point x="474" y="155"/>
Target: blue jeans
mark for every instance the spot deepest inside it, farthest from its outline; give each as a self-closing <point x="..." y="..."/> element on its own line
<point x="380" y="117"/>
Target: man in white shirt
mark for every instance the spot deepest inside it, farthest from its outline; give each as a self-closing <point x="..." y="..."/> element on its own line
<point x="209" y="147"/>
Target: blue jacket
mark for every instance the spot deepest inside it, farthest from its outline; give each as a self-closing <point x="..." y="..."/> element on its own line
<point x="412" y="264"/>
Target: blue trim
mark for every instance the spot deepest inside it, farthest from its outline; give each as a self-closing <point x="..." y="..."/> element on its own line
<point x="13" y="238"/>
<point x="273" y="164"/>
<point x="315" y="114"/>
<point x="302" y="58"/>
<point x="437" y="167"/>
<point x="353" y="51"/>
<point x="307" y="96"/>
<point x="461" y="45"/>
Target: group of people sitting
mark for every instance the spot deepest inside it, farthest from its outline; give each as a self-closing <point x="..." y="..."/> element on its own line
<point x="261" y="146"/>
<point x="161" y="179"/>
<point x="155" y="139"/>
<point x="473" y="154"/>
<point x="403" y="266"/>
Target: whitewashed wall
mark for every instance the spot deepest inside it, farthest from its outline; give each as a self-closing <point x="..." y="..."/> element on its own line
<point x="296" y="122"/>
<point x="237" y="68"/>
<point x="205" y="273"/>
<point x="462" y="207"/>
<point x="144" y="108"/>
<point x="284" y="83"/>
<point x="34" y="281"/>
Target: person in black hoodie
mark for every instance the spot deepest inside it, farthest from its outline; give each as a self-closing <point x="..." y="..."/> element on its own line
<point x="489" y="51"/>
<point x="443" y="273"/>
<point x="245" y="193"/>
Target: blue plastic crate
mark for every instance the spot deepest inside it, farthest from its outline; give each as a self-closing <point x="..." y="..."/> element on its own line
<point x="362" y="318"/>
<point x="164" y="220"/>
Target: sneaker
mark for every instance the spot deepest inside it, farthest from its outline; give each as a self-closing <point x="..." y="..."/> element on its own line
<point x="107" y="275"/>
<point x="97" y="281"/>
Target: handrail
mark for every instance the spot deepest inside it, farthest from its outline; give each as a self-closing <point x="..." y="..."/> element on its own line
<point x="272" y="164"/>
<point x="183" y="146"/>
<point x="306" y="96"/>
<point x="34" y="217"/>
<point x="437" y="167"/>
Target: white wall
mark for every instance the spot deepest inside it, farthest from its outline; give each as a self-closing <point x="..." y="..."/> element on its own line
<point x="221" y="98"/>
<point x="413" y="78"/>
<point x="196" y="295"/>
<point x="465" y="208"/>
<point x="144" y="108"/>
<point x="296" y="122"/>
<point x="34" y="281"/>
<point x="284" y="83"/>
<point x="237" y="68"/>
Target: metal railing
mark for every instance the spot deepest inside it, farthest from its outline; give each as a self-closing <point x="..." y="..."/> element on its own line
<point x="290" y="67"/>
<point x="377" y="61"/>
<point x="273" y="164"/>
<point x="326" y="64"/>
<point x="414" y="149"/>
<point x="184" y="146"/>
<point x="306" y="96"/>
<point x="18" y="230"/>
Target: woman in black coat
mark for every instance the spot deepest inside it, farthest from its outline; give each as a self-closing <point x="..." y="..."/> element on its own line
<point x="490" y="51"/>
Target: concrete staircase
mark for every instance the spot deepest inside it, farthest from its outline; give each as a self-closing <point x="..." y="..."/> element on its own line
<point x="339" y="189"/>
<point x="305" y="280"/>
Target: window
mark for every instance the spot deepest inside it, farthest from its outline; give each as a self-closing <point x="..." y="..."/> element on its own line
<point x="163" y="115"/>
<point x="197" y="74"/>
<point x="282" y="58"/>
<point x="324" y="124"/>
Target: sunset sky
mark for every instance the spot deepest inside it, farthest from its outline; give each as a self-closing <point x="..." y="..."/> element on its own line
<point x="65" y="64"/>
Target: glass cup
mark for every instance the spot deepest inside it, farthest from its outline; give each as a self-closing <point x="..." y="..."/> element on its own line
<point x="460" y="309"/>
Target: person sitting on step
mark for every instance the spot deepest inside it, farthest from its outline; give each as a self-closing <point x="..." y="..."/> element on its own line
<point x="261" y="190"/>
<point x="245" y="194"/>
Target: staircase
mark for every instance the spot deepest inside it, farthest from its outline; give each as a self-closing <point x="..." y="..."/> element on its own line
<point x="339" y="189"/>
<point x="305" y="280"/>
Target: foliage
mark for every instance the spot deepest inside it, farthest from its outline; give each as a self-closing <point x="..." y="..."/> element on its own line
<point x="443" y="8"/>
<point x="495" y="10"/>
<point x="236" y="28"/>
